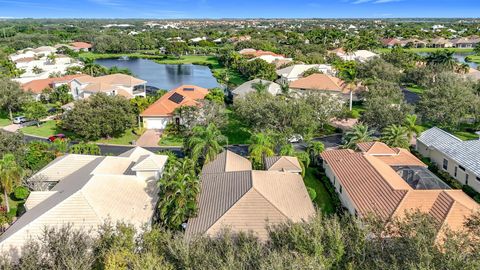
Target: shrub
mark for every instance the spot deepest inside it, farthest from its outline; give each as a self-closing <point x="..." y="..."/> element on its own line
<point x="312" y="193"/>
<point x="471" y="192"/>
<point x="21" y="193"/>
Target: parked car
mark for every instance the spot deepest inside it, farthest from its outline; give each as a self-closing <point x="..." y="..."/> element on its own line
<point x="295" y="138"/>
<point x="19" y="120"/>
<point x="57" y="137"/>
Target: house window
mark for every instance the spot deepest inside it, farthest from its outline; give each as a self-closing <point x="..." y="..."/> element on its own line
<point x="478" y="178"/>
<point x="455" y="171"/>
<point x="334" y="180"/>
<point x="445" y="164"/>
<point x="340" y="189"/>
<point x="461" y="168"/>
<point x="466" y="179"/>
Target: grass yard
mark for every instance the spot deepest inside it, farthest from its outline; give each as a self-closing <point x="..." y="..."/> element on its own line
<point x="170" y="140"/>
<point x="4" y="120"/>
<point x="415" y="89"/>
<point x="473" y="58"/>
<point x="323" y="199"/>
<point x="357" y="110"/>
<point x="46" y="129"/>
<point x="95" y="56"/>
<point x="465" y="136"/>
<point x="428" y="50"/>
<point x="125" y="139"/>
<point x="236" y="131"/>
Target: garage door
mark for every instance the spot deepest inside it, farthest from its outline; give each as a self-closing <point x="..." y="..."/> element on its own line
<point x="155" y="123"/>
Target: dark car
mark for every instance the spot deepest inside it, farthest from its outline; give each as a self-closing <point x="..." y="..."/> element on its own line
<point x="57" y="137"/>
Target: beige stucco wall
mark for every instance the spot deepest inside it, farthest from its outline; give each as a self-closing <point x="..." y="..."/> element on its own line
<point x="437" y="157"/>
<point x="344" y="198"/>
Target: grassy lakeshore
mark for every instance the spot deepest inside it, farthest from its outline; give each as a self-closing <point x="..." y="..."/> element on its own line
<point x="211" y="61"/>
<point x="473" y="58"/>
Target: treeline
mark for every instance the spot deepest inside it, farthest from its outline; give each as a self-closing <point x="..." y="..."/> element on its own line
<point x="326" y="242"/>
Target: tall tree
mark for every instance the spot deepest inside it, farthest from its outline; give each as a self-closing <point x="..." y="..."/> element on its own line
<point x="447" y="101"/>
<point x="359" y="133"/>
<point x="261" y="146"/>
<point x="384" y="105"/>
<point x="205" y="143"/>
<point x="35" y="111"/>
<point x="178" y="190"/>
<point x="396" y="136"/>
<point x="10" y="176"/>
<point x="12" y="97"/>
<point x="411" y="124"/>
<point x="314" y="149"/>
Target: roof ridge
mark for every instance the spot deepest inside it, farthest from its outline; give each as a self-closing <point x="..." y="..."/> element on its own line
<point x="270" y="202"/>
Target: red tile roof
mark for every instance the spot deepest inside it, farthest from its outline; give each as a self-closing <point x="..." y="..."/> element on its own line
<point x="165" y="107"/>
<point x="81" y="45"/>
<point x="37" y="86"/>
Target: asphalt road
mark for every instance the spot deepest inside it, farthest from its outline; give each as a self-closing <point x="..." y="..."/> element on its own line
<point x="115" y="150"/>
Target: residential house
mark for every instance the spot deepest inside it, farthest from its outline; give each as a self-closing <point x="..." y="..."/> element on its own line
<point x="391" y="42"/>
<point x="37" y="66"/>
<point x="466" y="42"/>
<point x="359" y="55"/>
<point x="235" y="197"/>
<point x="327" y="84"/>
<point x="460" y="159"/>
<point x="390" y="182"/>
<point x="268" y="56"/>
<point x="248" y="87"/>
<point x="414" y="43"/>
<point x="87" y="192"/>
<point x="440" y="43"/>
<point x="295" y="72"/>
<point x="36" y="87"/>
<point x="81" y="46"/>
<point x="113" y="84"/>
<point x="160" y="113"/>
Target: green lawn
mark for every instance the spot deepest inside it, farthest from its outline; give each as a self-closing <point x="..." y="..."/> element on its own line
<point x="464" y="135"/>
<point x="415" y="89"/>
<point x="125" y="139"/>
<point x="4" y="120"/>
<point x="170" y="140"/>
<point x="357" y="110"/>
<point x="236" y="131"/>
<point x="46" y="129"/>
<point x="95" y="56"/>
<point x="50" y="128"/>
<point x="428" y="50"/>
<point x="323" y="199"/>
<point x="473" y="58"/>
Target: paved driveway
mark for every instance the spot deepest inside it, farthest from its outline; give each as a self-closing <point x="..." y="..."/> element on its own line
<point x="12" y="127"/>
<point x="150" y="138"/>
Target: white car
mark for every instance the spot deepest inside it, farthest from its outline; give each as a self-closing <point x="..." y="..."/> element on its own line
<point x="19" y="120"/>
<point x="295" y="138"/>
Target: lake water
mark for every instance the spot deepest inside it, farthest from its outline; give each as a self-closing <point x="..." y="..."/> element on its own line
<point x="460" y="58"/>
<point x="164" y="76"/>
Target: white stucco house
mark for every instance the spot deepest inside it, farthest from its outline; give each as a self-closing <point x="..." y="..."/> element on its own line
<point x="294" y="72"/>
<point x="248" y="87"/>
<point x="461" y="159"/>
<point x="113" y="84"/>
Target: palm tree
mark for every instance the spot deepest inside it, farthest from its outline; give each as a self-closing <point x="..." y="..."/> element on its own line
<point x="287" y="150"/>
<point x="285" y="87"/>
<point x="314" y="149"/>
<point x="396" y="136"/>
<point x="52" y="58"/>
<point x="261" y="146"/>
<point x="10" y="176"/>
<point x="411" y="124"/>
<point x="348" y="73"/>
<point x="178" y="190"/>
<point x="205" y="143"/>
<point x="444" y="58"/>
<point x="359" y="133"/>
<point x="260" y="86"/>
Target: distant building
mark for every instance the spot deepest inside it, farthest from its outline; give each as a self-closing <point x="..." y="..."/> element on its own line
<point x="247" y="87"/>
<point x="81" y="46"/>
<point x="294" y="72"/>
<point x="36" y="87"/>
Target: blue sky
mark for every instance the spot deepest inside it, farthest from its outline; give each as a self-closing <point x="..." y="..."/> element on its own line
<point x="238" y="8"/>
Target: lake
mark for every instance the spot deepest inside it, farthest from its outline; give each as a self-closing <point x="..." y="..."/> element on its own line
<point x="164" y="76"/>
<point x="460" y="56"/>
